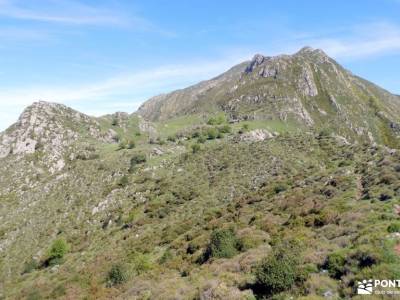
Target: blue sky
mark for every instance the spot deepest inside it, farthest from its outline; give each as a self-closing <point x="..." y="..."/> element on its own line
<point x="110" y="55"/>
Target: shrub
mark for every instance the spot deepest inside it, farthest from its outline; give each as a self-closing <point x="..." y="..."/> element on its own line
<point x="123" y="181"/>
<point x="387" y="178"/>
<point x="131" y="144"/>
<point x="212" y="133"/>
<point x="122" y="145"/>
<point x="195" y="148"/>
<point x="223" y="244"/>
<point x="366" y="257"/>
<point x="171" y="138"/>
<point x="166" y="256"/>
<point x="225" y="129"/>
<point x="244" y="128"/>
<point x="201" y="139"/>
<point x="114" y="122"/>
<point x="335" y="264"/>
<point x="57" y="251"/>
<point x="276" y="273"/>
<point x="30" y="266"/>
<point x="160" y="141"/>
<point x="140" y="262"/>
<point x="325" y="132"/>
<point x="117" y="275"/>
<point x="136" y="160"/>
<point x="394" y="227"/>
<point x="279" y="188"/>
<point x="196" y="134"/>
<point x="217" y="120"/>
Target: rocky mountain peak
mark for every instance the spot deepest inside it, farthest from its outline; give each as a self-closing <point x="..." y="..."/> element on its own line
<point x="49" y="128"/>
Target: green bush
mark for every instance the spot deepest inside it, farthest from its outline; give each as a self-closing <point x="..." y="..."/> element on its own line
<point x="30" y="266"/>
<point x="141" y="263"/>
<point x="325" y="132"/>
<point x="201" y="139"/>
<point x="217" y="120"/>
<point x="123" y="181"/>
<point x="279" y="188"/>
<point x="276" y="273"/>
<point x="244" y="128"/>
<point x="223" y="244"/>
<point x="394" y="227"/>
<point x="131" y="144"/>
<point x="171" y="138"/>
<point x="225" y="129"/>
<point x="137" y="159"/>
<point x="117" y="275"/>
<point x="335" y="264"/>
<point x="212" y="133"/>
<point x="114" y="122"/>
<point x="196" y="134"/>
<point x="122" y="145"/>
<point x="166" y="256"/>
<point x="195" y="148"/>
<point x="57" y="251"/>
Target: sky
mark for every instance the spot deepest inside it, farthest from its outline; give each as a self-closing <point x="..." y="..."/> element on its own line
<point x="102" y="56"/>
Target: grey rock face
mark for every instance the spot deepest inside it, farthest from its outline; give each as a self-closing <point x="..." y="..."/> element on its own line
<point x="256" y="135"/>
<point x="257" y="60"/>
<point x="306" y="82"/>
<point x="49" y="128"/>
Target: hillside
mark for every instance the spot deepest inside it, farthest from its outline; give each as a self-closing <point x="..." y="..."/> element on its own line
<point x="279" y="178"/>
<point x="306" y="89"/>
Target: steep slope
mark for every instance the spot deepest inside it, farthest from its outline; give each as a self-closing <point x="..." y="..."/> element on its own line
<point x="307" y="88"/>
<point x="192" y="99"/>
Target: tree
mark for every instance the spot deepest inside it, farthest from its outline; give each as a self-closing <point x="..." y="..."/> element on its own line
<point x="276" y="273"/>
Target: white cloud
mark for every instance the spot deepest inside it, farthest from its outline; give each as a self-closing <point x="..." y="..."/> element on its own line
<point x="359" y="42"/>
<point x="66" y="12"/>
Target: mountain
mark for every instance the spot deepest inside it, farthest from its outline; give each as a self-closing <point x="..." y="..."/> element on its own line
<point x="307" y="89"/>
<point x="279" y="178"/>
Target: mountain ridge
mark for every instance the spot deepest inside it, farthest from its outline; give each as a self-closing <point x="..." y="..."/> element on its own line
<point x="278" y="168"/>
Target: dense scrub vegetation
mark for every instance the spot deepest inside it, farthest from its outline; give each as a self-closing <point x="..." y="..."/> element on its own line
<point x="302" y="215"/>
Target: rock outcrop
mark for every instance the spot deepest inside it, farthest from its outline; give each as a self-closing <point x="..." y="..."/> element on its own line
<point x="50" y="129"/>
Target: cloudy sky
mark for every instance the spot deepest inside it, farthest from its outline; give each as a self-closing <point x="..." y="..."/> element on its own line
<point x="102" y="56"/>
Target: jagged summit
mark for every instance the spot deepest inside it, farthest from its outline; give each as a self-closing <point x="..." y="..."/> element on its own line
<point x="307" y="88"/>
<point x="49" y="128"/>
